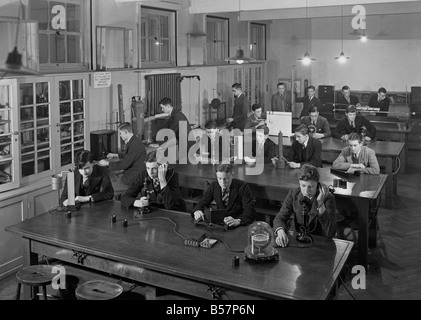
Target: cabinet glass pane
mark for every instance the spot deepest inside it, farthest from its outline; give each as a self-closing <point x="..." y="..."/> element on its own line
<point x="64" y="90"/>
<point x="43" y="138"/>
<point x="65" y="115"/>
<point x="78" y="131"/>
<point x="73" y="49"/>
<point x="78" y="108"/>
<point x="27" y="138"/>
<point x="4" y="119"/>
<point x="42" y="92"/>
<point x="28" y="164"/>
<point x="65" y="134"/>
<point x="78" y="89"/>
<point x="26" y="94"/>
<point x="66" y="158"/>
<point x="43" y="115"/>
<point x="4" y="97"/>
<point x="27" y="114"/>
<point x="5" y="171"/>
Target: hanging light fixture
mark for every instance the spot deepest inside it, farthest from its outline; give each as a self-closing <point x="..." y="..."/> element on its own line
<point x="342" y="58"/>
<point x="239" y="54"/>
<point x="306" y="59"/>
<point x="13" y="65"/>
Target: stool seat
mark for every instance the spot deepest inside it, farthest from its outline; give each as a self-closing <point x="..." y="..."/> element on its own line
<point x="37" y="275"/>
<point x="98" y="290"/>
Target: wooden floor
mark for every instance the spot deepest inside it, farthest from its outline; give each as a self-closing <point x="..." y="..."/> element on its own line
<point x="394" y="266"/>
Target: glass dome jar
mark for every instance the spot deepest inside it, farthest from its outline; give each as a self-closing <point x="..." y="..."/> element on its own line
<point x="260" y="237"/>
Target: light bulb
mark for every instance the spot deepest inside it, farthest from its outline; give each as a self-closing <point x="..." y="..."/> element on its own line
<point x="239" y="61"/>
<point x="306" y="61"/>
<point x="342" y="58"/>
<point x="364" y="38"/>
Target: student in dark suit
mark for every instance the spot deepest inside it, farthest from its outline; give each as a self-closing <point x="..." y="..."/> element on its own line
<point x="380" y="100"/>
<point x="162" y="187"/>
<point x="255" y="119"/>
<point x="130" y="162"/>
<point x="354" y="123"/>
<point x="319" y="124"/>
<point x="304" y="149"/>
<point x="309" y="101"/>
<point x="241" y="108"/>
<point x="230" y="194"/>
<point x="92" y="182"/>
<point x="315" y="198"/>
<point x="346" y="98"/>
<point x="263" y="145"/>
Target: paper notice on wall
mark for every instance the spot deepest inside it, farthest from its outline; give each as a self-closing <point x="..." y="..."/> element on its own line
<point x="102" y="79"/>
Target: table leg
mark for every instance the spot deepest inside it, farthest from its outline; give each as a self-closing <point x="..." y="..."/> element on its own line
<point x="29" y="258"/>
<point x="363" y="208"/>
<point x="389" y="183"/>
<point x="403" y="137"/>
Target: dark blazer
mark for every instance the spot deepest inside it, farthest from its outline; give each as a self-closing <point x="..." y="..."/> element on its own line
<point x="269" y="149"/>
<point x="322" y="125"/>
<point x="100" y="187"/>
<point x="240" y="204"/>
<point x="168" y="198"/>
<point x="383" y="105"/>
<point x="281" y="103"/>
<point x="342" y="103"/>
<point x="132" y="160"/>
<point x="343" y="127"/>
<point x="312" y="154"/>
<point x="240" y="111"/>
<point x="308" y="103"/>
<point x="320" y="224"/>
<point x="252" y="122"/>
<point x="173" y="123"/>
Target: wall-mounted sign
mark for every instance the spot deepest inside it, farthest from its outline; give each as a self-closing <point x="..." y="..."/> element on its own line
<point x="59" y="20"/>
<point x="102" y="79"/>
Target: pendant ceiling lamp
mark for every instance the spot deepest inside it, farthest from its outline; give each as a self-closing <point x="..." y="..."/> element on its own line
<point x="239" y="55"/>
<point x="306" y="59"/>
<point x="13" y="65"/>
<point x="342" y="58"/>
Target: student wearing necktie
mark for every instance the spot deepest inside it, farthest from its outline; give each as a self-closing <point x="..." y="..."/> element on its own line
<point x="92" y="182"/>
<point x="304" y="149"/>
<point x="162" y="187"/>
<point x="357" y="157"/>
<point x="381" y="101"/>
<point x="230" y="194"/>
<point x="346" y="98"/>
<point x="321" y="125"/>
<point x="263" y="146"/>
<point x="354" y="122"/>
<point x="309" y="101"/>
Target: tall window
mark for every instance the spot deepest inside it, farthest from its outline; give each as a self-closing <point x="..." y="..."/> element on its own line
<point x="257" y="41"/>
<point x="157" y="37"/>
<point x="216" y="39"/>
<point x="61" y="28"/>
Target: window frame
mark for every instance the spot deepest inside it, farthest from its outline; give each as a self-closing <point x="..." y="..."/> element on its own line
<point x="227" y="40"/>
<point x="261" y="50"/>
<point x="172" y="37"/>
<point x="84" y="34"/>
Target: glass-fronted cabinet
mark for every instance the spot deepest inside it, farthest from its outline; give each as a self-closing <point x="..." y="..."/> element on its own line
<point x="42" y="127"/>
<point x="9" y="169"/>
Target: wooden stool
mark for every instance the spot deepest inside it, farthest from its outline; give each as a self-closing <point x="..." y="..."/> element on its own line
<point x="98" y="290"/>
<point x="35" y="276"/>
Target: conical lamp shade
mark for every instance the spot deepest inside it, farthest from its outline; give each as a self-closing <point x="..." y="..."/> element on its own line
<point x="239" y="57"/>
<point x="14" y="65"/>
